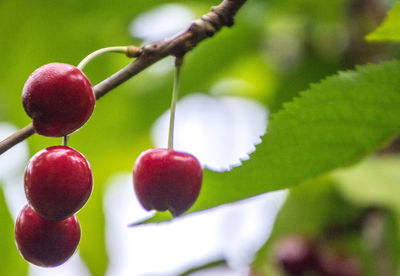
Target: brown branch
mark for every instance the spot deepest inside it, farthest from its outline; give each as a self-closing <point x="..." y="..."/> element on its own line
<point x="200" y="29"/>
<point x="16" y="138"/>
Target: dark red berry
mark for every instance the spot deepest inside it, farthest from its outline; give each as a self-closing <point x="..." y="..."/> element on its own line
<point x="295" y="255"/>
<point x="58" y="182"/>
<point x="43" y="242"/>
<point x="59" y="98"/>
<point x="165" y="179"/>
<point x="338" y="264"/>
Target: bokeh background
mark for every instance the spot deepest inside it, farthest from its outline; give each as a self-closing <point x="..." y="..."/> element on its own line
<point x="230" y="85"/>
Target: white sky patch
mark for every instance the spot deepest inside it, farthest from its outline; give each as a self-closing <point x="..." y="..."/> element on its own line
<point x="219" y="131"/>
<point x="12" y="167"/>
<point x="161" y="22"/>
<point x="73" y="267"/>
<point x="162" y="67"/>
<point x="222" y="271"/>
<point x="13" y="161"/>
<point x="234" y="231"/>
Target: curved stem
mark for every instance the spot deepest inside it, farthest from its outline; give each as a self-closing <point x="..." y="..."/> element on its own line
<point x="129" y="51"/>
<point x="117" y="49"/>
<point x="175" y="92"/>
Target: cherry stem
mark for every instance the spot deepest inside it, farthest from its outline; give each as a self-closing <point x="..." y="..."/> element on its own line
<point x="175" y="92"/>
<point x="129" y="51"/>
<point x="65" y="140"/>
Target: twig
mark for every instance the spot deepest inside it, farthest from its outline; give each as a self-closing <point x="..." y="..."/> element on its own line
<point x="16" y="138"/>
<point x="200" y="29"/>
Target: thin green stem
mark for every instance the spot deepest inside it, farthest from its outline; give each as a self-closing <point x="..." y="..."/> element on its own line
<point x="175" y="92"/>
<point x="129" y="51"/>
<point x="117" y="49"/>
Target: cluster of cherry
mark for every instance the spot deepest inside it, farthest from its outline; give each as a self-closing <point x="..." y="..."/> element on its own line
<point x="58" y="180"/>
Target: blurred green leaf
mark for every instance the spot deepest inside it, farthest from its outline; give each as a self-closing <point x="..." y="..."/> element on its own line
<point x="375" y="182"/>
<point x="311" y="210"/>
<point x="317" y="205"/>
<point x="333" y="124"/>
<point x="389" y="30"/>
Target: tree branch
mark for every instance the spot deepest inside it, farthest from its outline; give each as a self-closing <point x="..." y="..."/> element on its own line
<point x="200" y="29"/>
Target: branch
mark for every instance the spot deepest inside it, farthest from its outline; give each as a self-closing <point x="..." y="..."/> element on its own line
<point x="200" y="29"/>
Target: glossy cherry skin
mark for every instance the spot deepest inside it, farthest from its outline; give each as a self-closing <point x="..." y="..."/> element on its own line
<point x="43" y="242"/>
<point x="59" y="98"/>
<point x="58" y="182"/>
<point x="165" y="179"/>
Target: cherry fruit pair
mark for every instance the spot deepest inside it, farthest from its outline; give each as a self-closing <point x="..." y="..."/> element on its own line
<point x="58" y="180"/>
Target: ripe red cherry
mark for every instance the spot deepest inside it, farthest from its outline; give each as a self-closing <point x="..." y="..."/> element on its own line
<point x="59" y="99"/>
<point x="165" y="179"/>
<point x="43" y="242"/>
<point x="58" y="182"/>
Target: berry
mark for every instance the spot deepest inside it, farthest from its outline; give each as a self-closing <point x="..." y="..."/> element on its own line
<point x="295" y="255"/>
<point x="43" y="242"/>
<point x="338" y="264"/>
<point x="59" y="98"/>
<point x="58" y="182"/>
<point x="165" y="179"/>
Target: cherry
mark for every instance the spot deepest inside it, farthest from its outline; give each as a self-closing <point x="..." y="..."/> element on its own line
<point x="338" y="264"/>
<point x="165" y="179"/>
<point x="43" y="242"/>
<point x="59" y="99"/>
<point x="58" y="182"/>
<point x="296" y="255"/>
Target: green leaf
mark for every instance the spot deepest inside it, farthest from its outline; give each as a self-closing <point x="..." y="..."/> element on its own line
<point x="333" y="124"/>
<point x="389" y="30"/>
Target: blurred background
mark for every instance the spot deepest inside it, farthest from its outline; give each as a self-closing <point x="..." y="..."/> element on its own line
<point x="230" y="85"/>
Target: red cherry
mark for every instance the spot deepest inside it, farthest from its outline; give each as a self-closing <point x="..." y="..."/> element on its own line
<point x="58" y="182"/>
<point x="167" y="179"/>
<point x="43" y="242"/>
<point x="59" y="98"/>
